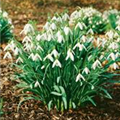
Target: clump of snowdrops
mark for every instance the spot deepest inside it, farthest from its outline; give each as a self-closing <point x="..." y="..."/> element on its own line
<point x="66" y="65"/>
<point x="6" y="27"/>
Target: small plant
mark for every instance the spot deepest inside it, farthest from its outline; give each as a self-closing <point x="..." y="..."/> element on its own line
<point x="65" y="65"/>
<point x="6" y="27"/>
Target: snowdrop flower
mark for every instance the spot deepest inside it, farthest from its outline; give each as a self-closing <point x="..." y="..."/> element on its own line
<point x="96" y="64"/>
<point x="86" y="70"/>
<point x="38" y="37"/>
<point x="17" y="51"/>
<point x="31" y="56"/>
<point x="49" y="37"/>
<point x="56" y="63"/>
<point x="80" y="25"/>
<point x="118" y="28"/>
<point x="83" y="38"/>
<point x="101" y="57"/>
<point x="39" y="48"/>
<point x="36" y="57"/>
<point x="60" y="37"/>
<point x="5" y="14"/>
<point x="37" y="84"/>
<point x="10" y="46"/>
<point x="110" y="34"/>
<point x="80" y="46"/>
<point x="90" y="31"/>
<point x="117" y="55"/>
<point x="27" y="29"/>
<point x="65" y="17"/>
<point x="7" y="55"/>
<point x="112" y="55"/>
<point x="7" y="47"/>
<point x="53" y="26"/>
<point x="113" y="46"/>
<point x="19" y="60"/>
<point x="46" y="26"/>
<point x="115" y="66"/>
<point x="49" y="56"/>
<point x="26" y="39"/>
<point x="55" y="53"/>
<point x="79" y="77"/>
<point x="70" y="55"/>
<point x="67" y="30"/>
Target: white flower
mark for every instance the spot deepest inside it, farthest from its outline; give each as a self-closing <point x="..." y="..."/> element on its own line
<point x="110" y="34"/>
<point x="70" y="55"/>
<point x="19" y="60"/>
<point x="79" y="77"/>
<point x="112" y="55"/>
<point x="56" y="63"/>
<point x="17" y="51"/>
<point x="90" y="31"/>
<point x="53" y="26"/>
<point x="86" y="70"/>
<point x="7" y="47"/>
<point x="38" y="37"/>
<point x="83" y="38"/>
<point x="117" y="55"/>
<point x="80" y="46"/>
<point x="31" y="56"/>
<point x="27" y="29"/>
<point x="36" y="57"/>
<point x="46" y="26"/>
<point x="7" y="55"/>
<point x="67" y="30"/>
<point x="39" y="48"/>
<point x="80" y="25"/>
<point x="96" y="64"/>
<point x="118" y="27"/>
<point x="26" y="39"/>
<point x="55" y="53"/>
<point x="60" y="37"/>
<point x="37" y="84"/>
<point x="49" y="56"/>
<point x="49" y="37"/>
<point x="65" y="17"/>
<point x="115" y="66"/>
<point x="5" y="14"/>
<point x="113" y="46"/>
<point x="101" y="57"/>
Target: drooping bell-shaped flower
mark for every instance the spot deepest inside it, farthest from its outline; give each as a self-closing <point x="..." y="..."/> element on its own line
<point x="7" y="55"/>
<point x="79" y="77"/>
<point x="27" y="29"/>
<point x="70" y="55"/>
<point x="86" y="70"/>
<point x="49" y="57"/>
<point x="55" y="53"/>
<point x="80" y="46"/>
<point x="96" y="64"/>
<point x="67" y="30"/>
<point x="56" y="63"/>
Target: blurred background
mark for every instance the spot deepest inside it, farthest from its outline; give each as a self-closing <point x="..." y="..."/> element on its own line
<point x="21" y="11"/>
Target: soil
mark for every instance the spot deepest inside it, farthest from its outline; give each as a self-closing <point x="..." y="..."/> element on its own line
<point x="20" y="12"/>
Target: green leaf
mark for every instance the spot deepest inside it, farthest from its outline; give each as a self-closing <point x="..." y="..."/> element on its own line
<point x="56" y="93"/>
<point x="50" y="105"/>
